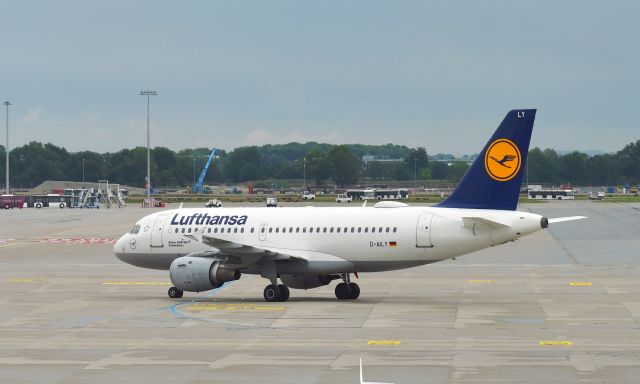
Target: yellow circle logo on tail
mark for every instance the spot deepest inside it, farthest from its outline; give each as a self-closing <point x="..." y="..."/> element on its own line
<point x="502" y="160"/>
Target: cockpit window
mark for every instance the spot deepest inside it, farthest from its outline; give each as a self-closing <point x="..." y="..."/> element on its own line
<point x="135" y="230"/>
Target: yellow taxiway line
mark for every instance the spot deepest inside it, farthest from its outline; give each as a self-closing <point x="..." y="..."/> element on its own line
<point x="383" y="342"/>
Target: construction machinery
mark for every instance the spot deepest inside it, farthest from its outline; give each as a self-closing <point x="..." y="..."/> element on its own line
<point x="197" y="187"/>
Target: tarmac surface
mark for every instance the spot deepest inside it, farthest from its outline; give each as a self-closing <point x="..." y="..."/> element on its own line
<point x="559" y="306"/>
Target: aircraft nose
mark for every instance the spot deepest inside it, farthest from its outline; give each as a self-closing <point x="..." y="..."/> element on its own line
<point x="119" y="248"/>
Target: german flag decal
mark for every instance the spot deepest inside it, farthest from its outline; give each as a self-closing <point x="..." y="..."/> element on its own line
<point x="393" y="244"/>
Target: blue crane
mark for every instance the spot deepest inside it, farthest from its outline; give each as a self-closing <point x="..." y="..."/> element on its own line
<point x="197" y="187"/>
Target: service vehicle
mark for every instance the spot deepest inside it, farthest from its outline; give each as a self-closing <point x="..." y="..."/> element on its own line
<point x="213" y="203"/>
<point x="343" y="198"/>
<point x="272" y="201"/>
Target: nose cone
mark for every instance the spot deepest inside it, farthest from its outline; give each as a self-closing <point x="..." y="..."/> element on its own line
<point x="119" y="248"/>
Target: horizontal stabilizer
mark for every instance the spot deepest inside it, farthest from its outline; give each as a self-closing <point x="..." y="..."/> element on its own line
<point x="470" y="222"/>
<point x="568" y="218"/>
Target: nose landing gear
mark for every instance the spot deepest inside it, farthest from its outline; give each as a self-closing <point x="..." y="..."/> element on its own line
<point x="175" y="293"/>
<point x="276" y="292"/>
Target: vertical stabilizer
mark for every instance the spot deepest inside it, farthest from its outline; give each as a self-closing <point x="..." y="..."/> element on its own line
<point x="494" y="179"/>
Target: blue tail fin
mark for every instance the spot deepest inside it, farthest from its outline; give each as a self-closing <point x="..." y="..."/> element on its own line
<point x="493" y="181"/>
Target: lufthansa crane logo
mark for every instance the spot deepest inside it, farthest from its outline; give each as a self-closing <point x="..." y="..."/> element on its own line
<point x="502" y="160"/>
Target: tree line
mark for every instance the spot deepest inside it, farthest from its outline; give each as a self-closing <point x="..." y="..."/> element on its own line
<point x="319" y="163"/>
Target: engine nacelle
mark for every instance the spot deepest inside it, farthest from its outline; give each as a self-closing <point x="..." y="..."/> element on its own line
<point x="307" y="281"/>
<point x="197" y="274"/>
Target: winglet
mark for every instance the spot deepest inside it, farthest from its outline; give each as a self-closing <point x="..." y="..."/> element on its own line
<point x="361" y="370"/>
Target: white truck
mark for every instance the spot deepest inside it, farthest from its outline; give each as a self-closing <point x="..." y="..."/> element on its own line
<point x="308" y="196"/>
<point x="272" y="201"/>
<point x="343" y="198"/>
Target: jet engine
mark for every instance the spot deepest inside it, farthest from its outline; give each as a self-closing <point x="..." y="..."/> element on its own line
<point x="307" y="281"/>
<point x="197" y="274"/>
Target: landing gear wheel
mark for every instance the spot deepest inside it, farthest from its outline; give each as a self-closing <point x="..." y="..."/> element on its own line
<point x="347" y="291"/>
<point x="175" y="293"/>
<point x="271" y="293"/>
<point x="284" y="292"/>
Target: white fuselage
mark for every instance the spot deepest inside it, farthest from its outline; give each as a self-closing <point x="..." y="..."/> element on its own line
<point x="333" y="239"/>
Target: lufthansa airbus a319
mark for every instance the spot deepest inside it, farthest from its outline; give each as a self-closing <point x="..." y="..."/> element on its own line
<point x="309" y="247"/>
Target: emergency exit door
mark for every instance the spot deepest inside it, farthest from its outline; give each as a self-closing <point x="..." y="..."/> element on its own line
<point x="423" y="231"/>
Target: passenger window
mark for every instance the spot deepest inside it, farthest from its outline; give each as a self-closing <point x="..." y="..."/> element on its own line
<point x="387" y="229"/>
<point x="215" y="230"/>
<point x="277" y="230"/>
<point x="208" y="230"/>
<point x="235" y="230"/>
<point x="241" y="230"/>
<point x="176" y="230"/>
<point x="290" y="229"/>
<point x="182" y="230"/>
<point x="380" y="229"/>
<point x="318" y="230"/>
<point x="304" y="229"/>
<point x="337" y="229"/>
<point x="352" y="229"/>
<point x="331" y="230"/>
<point x="395" y="229"/>
<point x="297" y="229"/>
<point x="373" y="229"/>
<point x="359" y="229"/>
<point x="252" y="229"/>
<point x="345" y="229"/>
<point x="189" y="230"/>
<point x="270" y="229"/>
<point x="366" y="229"/>
<point x="324" y="229"/>
<point x="228" y="230"/>
<point x="284" y="229"/>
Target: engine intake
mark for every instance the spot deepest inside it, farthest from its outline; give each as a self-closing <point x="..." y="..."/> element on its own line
<point x="197" y="274"/>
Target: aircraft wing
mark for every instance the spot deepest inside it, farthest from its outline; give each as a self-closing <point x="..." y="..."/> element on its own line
<point x="231" y="252"/>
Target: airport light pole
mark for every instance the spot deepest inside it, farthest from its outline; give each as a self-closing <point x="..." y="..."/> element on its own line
<point x="83" y="169"/>
<point x="148" y="93"/>
<point x="194" y="170"/>
<point x="415" y="172"/>
<point x="304" y="174"/>
<point x="6" y="149"/>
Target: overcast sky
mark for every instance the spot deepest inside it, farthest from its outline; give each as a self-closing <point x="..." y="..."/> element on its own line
<point x="231" y="73"/>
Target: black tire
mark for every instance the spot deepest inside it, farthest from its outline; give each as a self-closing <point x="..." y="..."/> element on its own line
<point x="38" y="205"/>
<point x="341" y="291"/>
<point x="284" y="292"/>
<point x="61" y="205"/>
<point x="6" y="206"/>
<point x="355" y="291"/>
<point x="346" y="291"/>
<point x="175" y="293"/>
<point x="271" y="293"/>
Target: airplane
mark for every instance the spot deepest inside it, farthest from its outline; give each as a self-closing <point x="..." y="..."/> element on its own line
<point x="309" y="247"/>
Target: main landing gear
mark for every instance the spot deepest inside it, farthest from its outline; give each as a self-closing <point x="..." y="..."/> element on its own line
<point x="175" y="293"/>
<point x="347" y="290"/>
<point x="276" y="292"/>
